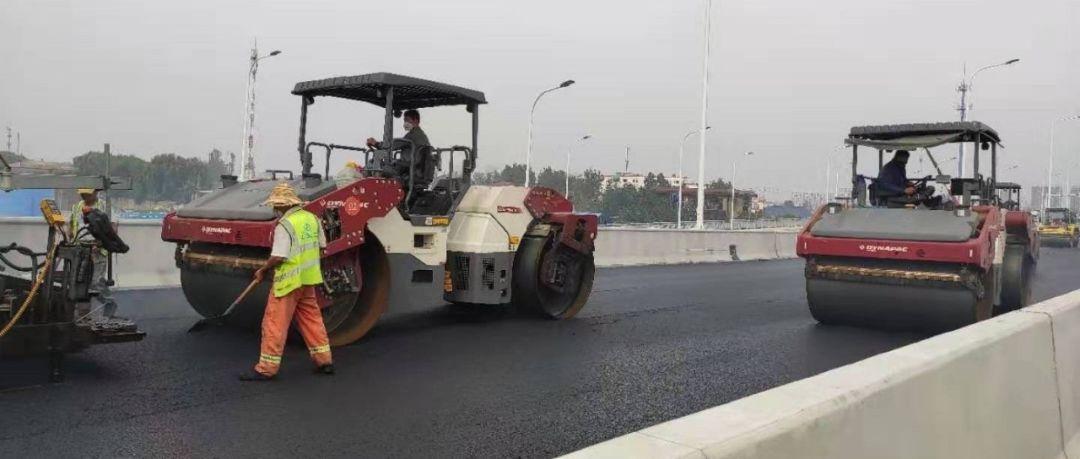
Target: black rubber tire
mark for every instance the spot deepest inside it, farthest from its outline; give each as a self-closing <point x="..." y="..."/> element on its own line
<point x="374" y="295"/>
<point x="530" y="294"/>
<point x="1016" y="271"/>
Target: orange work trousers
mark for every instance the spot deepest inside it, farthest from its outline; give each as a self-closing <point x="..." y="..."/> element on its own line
<point x="301" y="304"/>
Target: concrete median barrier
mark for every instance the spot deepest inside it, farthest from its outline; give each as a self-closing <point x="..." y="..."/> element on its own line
<point x="1004" y="388"/>
<point x="150" y="261"/>
<point x="630" y="247"/>
<point x="1064" y="314"/>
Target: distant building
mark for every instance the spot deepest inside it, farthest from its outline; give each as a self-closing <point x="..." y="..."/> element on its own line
<point x="638" y="180"/>
<point x="786" y="210"/>
<point x="1038" y="197"/>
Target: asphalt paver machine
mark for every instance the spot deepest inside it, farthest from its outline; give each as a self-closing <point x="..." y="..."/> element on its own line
<point x="39" y="291"/>
<point x="408" y="228"/>
<point x="919" y="262"/>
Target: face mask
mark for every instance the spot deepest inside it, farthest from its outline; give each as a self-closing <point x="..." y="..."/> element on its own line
<point x="408" y="126"/>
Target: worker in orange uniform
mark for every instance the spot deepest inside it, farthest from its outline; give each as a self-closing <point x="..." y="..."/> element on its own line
<point x="294" y="258"/>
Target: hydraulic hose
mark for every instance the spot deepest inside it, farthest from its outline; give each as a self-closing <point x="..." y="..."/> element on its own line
<point x="33" y="291"/>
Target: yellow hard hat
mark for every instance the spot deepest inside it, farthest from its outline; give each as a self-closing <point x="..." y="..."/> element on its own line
<point x="83" y="191"/>
<point x="351" y="164"/>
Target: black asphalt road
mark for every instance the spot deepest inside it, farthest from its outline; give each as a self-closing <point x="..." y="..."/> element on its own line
<point x="653" y="344"/>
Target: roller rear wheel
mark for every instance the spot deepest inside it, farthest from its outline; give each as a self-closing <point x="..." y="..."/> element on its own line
<point x="347" y="323"/>
<point x="1016" y="271"/>
<point x="551" y="278"/>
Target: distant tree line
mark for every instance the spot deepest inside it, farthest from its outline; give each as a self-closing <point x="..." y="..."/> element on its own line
<point x="655" y="201"/>
<point x="165" y="177"/>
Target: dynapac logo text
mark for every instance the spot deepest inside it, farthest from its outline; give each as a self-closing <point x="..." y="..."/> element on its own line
<point x="883" y="248"/>
<point x="216" y="230"/>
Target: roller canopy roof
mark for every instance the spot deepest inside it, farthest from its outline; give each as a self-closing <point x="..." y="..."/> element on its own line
<point x="922" y="135"/>
<point x="409" y="92"/>
<point x="1007" y="186"/>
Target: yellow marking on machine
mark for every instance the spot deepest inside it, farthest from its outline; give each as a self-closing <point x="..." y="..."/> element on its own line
<point x="448" y="283"/>
<point x="887" y="273"/>
<point x="224" y="260"/>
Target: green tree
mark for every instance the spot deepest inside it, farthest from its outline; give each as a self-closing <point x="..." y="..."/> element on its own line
<point x="585" y="190"/>
<point x="551" y="178"/>
<point x="130" y="166"/>
<point x="11" y="157"/>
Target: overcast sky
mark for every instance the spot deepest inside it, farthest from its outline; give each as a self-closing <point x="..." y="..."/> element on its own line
<point x="788" y="77"/>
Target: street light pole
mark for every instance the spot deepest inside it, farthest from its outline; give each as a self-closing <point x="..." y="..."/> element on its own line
<point x="1050" y="169"/>
<point x="828" y="170"/>
<point x="247" y="152"/>
<point x="678" y="213"/>
<point x="567" y="174"/>
<point x="532" y="114"/>
<point x="704" y="118"/>
<point x="967" y="85"/>
<point x="731" y="215"/>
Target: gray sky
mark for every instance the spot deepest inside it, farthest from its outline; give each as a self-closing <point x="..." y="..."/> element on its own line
<point x="788" y="77"/>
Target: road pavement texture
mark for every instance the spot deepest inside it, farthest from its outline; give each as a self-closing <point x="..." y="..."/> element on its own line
<point x="653" y="344"/>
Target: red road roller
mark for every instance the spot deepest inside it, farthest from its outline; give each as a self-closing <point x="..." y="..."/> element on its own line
<point x="410" y="227"/>
<point x="919" y="260"/>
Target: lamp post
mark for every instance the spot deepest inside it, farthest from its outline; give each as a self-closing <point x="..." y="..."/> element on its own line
<point x="734" y="164"/>
<point x="678" y="213"/>
<point x="966" y="85"/>
<point x="247" y="153"/>
<point x="1050" y="169"/>
<point x="568" y="152"/>
<point x="828" y="169"/>
<point x="704" y="118"/>
<point x="532" y="114"/>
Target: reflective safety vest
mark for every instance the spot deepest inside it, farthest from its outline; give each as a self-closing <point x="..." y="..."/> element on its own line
<point x="76" y="220"/>
<point x="302" y="265"/>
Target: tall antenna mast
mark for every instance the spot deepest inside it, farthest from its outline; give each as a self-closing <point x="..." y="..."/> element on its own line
<point x="626" y="165"/>
<point x="247" y="150"/>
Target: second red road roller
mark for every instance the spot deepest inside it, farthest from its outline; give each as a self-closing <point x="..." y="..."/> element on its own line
<point x="409" y="227"/>
<point x="908" y="258"/>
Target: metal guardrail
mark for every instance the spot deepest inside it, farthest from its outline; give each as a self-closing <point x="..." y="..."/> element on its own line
<point x="717" y="224"/>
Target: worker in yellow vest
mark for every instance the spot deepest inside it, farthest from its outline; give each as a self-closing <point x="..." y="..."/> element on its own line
<point x="100" y="258"/>
<point x="294" y="259"/>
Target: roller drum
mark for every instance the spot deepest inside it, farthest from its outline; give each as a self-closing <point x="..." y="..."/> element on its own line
<point x="885" y="296"/>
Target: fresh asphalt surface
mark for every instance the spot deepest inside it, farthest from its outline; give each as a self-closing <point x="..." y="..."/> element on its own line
<point x="654" y="343"/>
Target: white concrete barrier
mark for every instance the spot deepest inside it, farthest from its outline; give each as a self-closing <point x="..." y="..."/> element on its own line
<point x="1008" y="387"/>
<point x="1064" y="313"/>
<point x="629" y="247"/>
<point x="150" y="261"/>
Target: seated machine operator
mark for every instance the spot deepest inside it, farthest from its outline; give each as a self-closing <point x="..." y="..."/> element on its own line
<point x="892" y="179"/>
<point x="892" y="183"/>
<point x="414" y="134"/>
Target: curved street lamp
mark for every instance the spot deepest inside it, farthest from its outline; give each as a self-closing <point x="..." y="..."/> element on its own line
<point x="247" y="153"/>
<point x="734" y="164"/>
<point x="682" y="145"/>
<point x="532" y="113"/>
<point x="569" y="151"/>
<point x="967" y="85"/>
